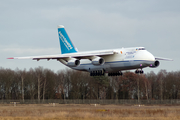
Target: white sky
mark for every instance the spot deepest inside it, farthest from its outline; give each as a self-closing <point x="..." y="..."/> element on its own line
<point x="29" y="27"/>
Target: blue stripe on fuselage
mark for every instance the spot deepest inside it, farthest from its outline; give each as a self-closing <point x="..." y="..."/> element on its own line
<point x="119" y="61"/>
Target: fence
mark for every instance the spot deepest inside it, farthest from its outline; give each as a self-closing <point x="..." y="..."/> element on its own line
<point x="86" y="101"/>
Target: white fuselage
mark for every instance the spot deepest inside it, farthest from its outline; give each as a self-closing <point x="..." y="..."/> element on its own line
<point x="123" y="59"/>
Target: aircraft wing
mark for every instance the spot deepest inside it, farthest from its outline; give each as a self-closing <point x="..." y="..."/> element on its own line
<point x="79" y="55"/>
<point x="160" y="58"/>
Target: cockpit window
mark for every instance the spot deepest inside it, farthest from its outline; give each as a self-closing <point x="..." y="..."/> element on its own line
<point x="141" y="49"/>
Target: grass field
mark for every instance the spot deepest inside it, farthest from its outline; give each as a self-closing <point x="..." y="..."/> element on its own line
<point x="88" y="112"/>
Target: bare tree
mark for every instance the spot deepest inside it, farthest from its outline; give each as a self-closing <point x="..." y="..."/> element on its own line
<point x="22" y="74"/>
<point x="31" y="84"/>
<point x="161" y="76"/>
<point x="59" y="85"/>
<point x="177" y="77"/>
<point x="39" y="74"/>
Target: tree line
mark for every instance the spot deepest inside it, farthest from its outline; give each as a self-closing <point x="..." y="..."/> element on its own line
<point x="42" y="83"/>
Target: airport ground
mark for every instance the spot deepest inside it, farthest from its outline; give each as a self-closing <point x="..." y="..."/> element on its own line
<point x="88" y="112"/>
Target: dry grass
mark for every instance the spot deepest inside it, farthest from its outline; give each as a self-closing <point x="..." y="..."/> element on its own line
<point x="88" y="112"/>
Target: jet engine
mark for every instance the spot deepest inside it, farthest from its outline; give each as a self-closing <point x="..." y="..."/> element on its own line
<point x="73" y="62"/>
<point x="155" y="64"/>
<point x="98" y="61"/>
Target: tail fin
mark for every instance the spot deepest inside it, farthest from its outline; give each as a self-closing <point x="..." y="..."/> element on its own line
<point x="65" y="43"/>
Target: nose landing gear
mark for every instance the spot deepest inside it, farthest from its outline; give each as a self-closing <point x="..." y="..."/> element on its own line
<point x="139" y="71"/>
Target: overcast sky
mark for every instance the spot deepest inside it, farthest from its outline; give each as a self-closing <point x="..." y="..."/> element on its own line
<point x="29" y="27"/>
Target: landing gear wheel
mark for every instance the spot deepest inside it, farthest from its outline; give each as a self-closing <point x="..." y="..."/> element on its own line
<point x="141" y="72"/>
<point x="121" y="73"/>
<point x="137" y="71"/>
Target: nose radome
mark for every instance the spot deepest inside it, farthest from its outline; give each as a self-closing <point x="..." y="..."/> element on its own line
<point x="145" y="55"/>
<point x="149" y="56"/>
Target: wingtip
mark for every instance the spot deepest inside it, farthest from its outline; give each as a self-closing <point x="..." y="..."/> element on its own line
<point x="10" y="58"/>
<point x="166" y="59"/>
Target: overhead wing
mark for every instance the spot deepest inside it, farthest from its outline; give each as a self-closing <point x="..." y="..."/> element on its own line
<point x="79" y="55"/>
<point x="160" y="58"/>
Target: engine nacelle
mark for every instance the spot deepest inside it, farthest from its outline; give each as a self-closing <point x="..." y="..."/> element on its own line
<point x="155" y="64"/>
<point x="73" y="62"/>
<point x="98" y="61"/>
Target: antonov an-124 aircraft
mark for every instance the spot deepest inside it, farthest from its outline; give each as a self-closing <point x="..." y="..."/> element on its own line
<point x="99" y="62"/>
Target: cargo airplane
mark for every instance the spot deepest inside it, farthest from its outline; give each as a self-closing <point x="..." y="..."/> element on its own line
<point x="99" y="62"/>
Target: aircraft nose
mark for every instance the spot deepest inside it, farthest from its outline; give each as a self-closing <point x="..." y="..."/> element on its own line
<point x="150" y="57"/>
<point x="145" y="55"/>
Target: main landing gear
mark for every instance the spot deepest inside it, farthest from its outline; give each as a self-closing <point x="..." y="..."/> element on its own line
<point x="102" y="73"/>
<point x="115" y="74"/>
<point x="139" y="71"/>
<point x="97" y="73"/>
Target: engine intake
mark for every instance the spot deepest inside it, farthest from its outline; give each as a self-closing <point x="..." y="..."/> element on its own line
<point x="73" y="63"/>
<point x="98" y="61"/>
<point x="155" y="64"/>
